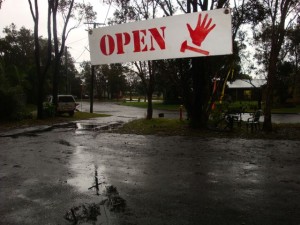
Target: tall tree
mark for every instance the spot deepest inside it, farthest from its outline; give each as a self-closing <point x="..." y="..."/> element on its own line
<point x="110" y="79"/>
<point x="199" y="91"/>
<point x="41" y="72"/>
<point x="146" y="72"/>
<point x="274" y="28"/>
<point x="292" y="52"/>
<point x="16" y="65"/>
<point x="68" y="10"/>
<point x="85" y="75"/>
<point x="135" y="11"/>
<point x="193" y="77"/>
<point x="17" y="53"/>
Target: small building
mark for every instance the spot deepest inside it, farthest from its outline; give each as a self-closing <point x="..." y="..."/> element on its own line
<point x="245" y="89"/>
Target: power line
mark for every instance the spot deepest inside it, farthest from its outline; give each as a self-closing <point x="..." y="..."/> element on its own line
<point x="77" y="40"/>
<point x="80" y="54"/>
<point x="107" y="11"/>
<point x="92" y="74"/>
<point x="94" y="23"/>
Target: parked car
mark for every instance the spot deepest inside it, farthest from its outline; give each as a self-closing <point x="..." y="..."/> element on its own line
<point x="65" y="104"/>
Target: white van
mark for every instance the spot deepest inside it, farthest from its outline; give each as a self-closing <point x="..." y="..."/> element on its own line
<point x="65" y="104"/>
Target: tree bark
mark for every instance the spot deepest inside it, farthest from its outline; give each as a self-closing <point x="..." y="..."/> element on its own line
<point x="267" y="125"/>
<point x="58" y="50"/>
<point x="277" y="38"/>
<point x="150" y="90"/>
<point x="149" y="106"/>
<point x="41" y="72"/>
<point x="40" y="75"/>
<point x="201" y="83"/>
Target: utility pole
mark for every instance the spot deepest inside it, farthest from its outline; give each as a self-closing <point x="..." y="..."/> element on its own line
<point x="92" y="75"/>
<point x="66" y="68"/>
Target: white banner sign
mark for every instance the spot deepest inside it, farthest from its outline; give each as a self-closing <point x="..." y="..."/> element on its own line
<point x="190" y="35"/>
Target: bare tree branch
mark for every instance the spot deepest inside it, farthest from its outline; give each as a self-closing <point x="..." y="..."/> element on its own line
<point x="181" y="6"/>
<point x="1" y="1"/>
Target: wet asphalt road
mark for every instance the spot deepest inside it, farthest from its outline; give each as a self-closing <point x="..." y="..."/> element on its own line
<point x="126" y="113"/>
<point x="164" y="180"/>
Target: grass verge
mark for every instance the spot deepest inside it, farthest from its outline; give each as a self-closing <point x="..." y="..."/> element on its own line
<point x="174" y="127"/>
<point x="156" y="105"/>
<point x="249" y="105"/>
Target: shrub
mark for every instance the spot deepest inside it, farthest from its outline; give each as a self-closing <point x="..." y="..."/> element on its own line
<point x="48" y="110"/>
<point x="12" y="105"/>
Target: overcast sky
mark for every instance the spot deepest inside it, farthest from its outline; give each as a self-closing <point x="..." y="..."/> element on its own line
<point x="18" y="12"/>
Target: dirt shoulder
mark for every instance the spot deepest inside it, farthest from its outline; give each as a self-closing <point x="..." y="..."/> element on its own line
<point x="32" y="122"/>
<point x="169" y="127"/>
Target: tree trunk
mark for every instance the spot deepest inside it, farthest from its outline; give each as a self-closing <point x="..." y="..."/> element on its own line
<point x="200" y="84"/>
<point x="272" y="68"/>
<point x="149" y="106"/>
<point x="259" y="90"/>
<point x="150" y="90"/>
<point x="40" y="78"/>
<point x="55" y="82"/>
<point x="41" y="72"/>
<point x="200" y="78"/>
<point x="281" y="11"/>
<point x="130" y="95"/>
<point x="267" y="125"/>
<point x="40" y="75"/>
<point x="40" y="98"/>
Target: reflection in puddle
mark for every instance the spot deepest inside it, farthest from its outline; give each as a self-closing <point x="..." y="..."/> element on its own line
<point x="97" y="185"/>
<point x="83" y="213"/>
<point x="97" y="212"/>
<point x="88" y="175"/>
<point x="82" y="126"/>
<point x="99" y="127"/>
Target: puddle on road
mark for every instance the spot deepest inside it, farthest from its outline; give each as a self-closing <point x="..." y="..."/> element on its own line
<point x="84" y="167"/>
<point x="80" y="128"/>
<point x="98" y="127"/>
<point x="83" y="213"/>
<point x="99" y="212"/>
<point x="97" y="186"/>
<point x="93" y="183"/>
<point x="87" y="180"/>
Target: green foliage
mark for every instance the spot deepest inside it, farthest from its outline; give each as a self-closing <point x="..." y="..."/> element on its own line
<point x="48" y="110"/>
<point x="109" y="79"/>
<point x="246" y="106"/>
<point x="12" y="104"/>
<point x="11" y="94"/>
<point x="218" y="112"/>
<point x="17" y="59"/>
<point x="18" y="75"/>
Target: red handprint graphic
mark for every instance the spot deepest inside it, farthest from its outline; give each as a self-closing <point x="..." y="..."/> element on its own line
<point x="198" y="35"/>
